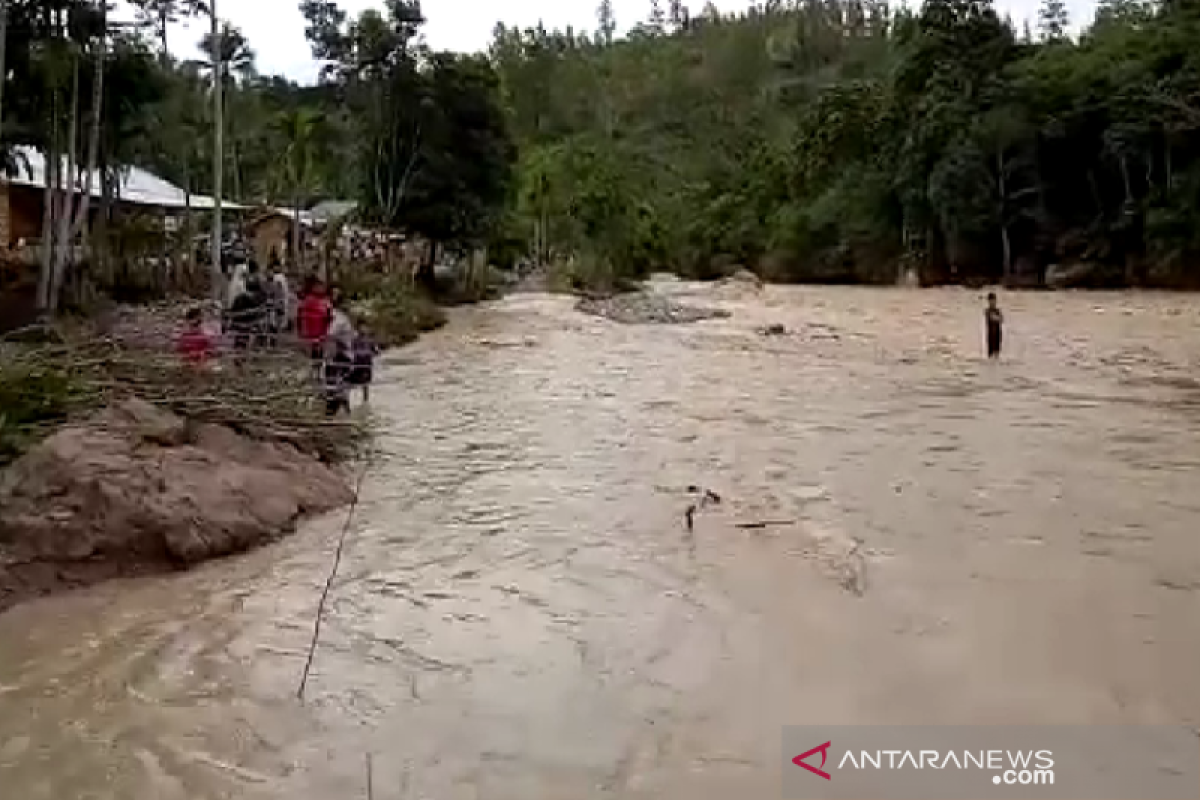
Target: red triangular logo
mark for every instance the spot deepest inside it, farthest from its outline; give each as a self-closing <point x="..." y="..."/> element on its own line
<point x="822" y="748"/>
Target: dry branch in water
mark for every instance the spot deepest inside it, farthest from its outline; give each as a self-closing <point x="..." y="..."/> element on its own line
<point x="766" y="523"/>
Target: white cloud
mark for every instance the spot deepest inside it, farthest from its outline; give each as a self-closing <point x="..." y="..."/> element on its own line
<point x="275" y="28"/>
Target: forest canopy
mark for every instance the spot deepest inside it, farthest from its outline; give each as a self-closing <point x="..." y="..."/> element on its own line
<point x="844" y="140"/>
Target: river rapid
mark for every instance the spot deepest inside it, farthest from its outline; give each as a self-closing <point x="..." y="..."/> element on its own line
<point x="521" y="613"/>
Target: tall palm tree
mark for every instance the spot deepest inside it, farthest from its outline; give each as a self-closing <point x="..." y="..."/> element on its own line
<point x="236" y="55"/>
<point x="159" y="15"/>
<point x="227" y="51"/>
<point x="300" y="131"/>
<point x="215" y="51"/>
<point x="237" y="67"/>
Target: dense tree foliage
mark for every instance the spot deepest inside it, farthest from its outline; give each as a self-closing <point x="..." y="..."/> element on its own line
<point x="842" y="140"/>
<point x="435" y="155"/>
<point x="418" y="138"/>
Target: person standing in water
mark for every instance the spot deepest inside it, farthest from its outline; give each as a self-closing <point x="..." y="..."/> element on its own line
<point x="993" y="319"/>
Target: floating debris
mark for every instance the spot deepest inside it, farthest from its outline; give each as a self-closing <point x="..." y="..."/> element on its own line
<point x="706" y="497"/>
<point x="760" y="524"/>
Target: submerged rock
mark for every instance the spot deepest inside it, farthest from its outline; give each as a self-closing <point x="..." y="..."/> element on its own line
<point x="745" y="276"/>
<point x="1066" y="276"/>
<point x="136" y="488"/>
<point x="637" y="308"/>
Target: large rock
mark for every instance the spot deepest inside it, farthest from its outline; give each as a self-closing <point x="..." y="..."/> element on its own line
<point x="137" y="485"/>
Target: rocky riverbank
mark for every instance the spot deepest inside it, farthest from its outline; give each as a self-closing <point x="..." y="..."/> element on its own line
<point x="134" y="489"/>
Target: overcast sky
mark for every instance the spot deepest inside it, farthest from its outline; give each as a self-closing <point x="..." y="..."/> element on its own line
<point x="275" y="28"/>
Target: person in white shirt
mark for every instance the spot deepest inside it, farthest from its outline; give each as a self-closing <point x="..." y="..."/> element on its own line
<point x="235" y="289"/>
<point x="340" y="336"/>
<point x="339" y="357"/>
<point x="279" y="295"/>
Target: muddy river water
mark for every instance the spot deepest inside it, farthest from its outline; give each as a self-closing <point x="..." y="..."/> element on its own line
<point x="520" y="612"/>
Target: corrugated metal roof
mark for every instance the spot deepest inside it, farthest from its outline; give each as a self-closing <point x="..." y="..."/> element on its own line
<point x="137" y="185"/>
<point x="331" y="209"/>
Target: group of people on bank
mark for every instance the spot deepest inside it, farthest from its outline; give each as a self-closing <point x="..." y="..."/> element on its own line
<point x="262" y="312"/>
<point x="340" y="347"/>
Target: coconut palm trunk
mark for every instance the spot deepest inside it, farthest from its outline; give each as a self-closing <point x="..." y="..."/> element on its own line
<point x="51" y="167"/>
<point x="216" y="275"/>
<point x="62" y="249"/>
<point x="80" y="224"/>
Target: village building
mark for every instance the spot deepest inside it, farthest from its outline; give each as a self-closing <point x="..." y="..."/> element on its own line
<point x="139" y="191"/>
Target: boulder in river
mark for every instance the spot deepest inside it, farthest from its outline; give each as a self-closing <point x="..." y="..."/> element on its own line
<point x="135" y="489"/>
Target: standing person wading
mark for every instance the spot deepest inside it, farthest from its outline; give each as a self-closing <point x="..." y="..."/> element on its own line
<point x="993" y="320"/>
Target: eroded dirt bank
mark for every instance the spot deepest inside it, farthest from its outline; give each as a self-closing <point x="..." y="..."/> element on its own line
<point x="521" y="612"/>
<point x="135" y="490"/>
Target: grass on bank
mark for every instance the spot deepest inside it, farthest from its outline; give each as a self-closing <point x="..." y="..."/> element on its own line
<point x="397" y="311"/>
<point x="588" y="275"/>
<point x="399" y="316"/>
<point x="36" y="394"/>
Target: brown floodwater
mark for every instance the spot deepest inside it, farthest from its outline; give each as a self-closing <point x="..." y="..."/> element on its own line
<point x="520" y="612"/>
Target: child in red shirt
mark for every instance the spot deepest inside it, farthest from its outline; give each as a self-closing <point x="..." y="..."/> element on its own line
<point x="193" y="344"/>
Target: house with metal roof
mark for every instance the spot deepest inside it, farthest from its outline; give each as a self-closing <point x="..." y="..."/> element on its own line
<point x="326" y="211"/>
<point x="137" y="186"/>
<point x="22" y="195"/>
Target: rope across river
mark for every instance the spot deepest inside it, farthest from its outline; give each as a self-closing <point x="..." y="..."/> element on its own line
<point x="337" y="560"/>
